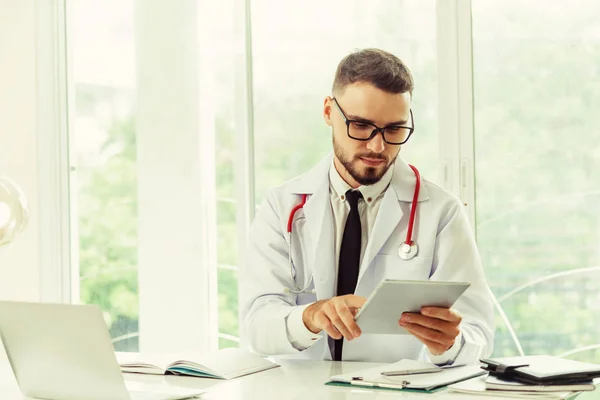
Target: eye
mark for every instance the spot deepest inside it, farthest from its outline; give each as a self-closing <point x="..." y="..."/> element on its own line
<point x="393" y="129"/>
<point x="361" y="125"/>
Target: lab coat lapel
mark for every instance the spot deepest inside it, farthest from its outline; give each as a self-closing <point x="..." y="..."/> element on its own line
<point x="387" y="220"/>
<point x="319" y="227"/>
<point x="319" y="221"/>
<point x="401" y="189"/>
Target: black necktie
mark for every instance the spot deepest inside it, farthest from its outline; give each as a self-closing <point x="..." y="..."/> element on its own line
<point x="349" y="262"/>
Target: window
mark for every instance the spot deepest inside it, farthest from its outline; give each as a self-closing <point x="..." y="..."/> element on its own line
<point x="154" y="149"/>
<point x="537" y="168"/>
<point x="103" y="164"/>
<point x="144" y="119"/>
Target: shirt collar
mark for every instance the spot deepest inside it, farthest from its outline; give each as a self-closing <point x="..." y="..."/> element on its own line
<point x="369" y="192"/>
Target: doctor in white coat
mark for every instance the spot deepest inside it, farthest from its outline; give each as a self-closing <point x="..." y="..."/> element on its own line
<point x="370" y="115"/>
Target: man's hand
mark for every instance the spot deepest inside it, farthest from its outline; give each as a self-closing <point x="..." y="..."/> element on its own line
<point x="436" y="327"/>
<point x="335" y="316"/>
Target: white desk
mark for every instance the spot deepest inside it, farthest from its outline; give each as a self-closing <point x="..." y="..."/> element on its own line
<point x="297" y="380"/>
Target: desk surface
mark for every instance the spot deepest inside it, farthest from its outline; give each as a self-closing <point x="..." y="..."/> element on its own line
<point x="295" y="379"/>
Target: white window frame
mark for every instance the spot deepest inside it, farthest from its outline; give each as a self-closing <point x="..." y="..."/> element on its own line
<point x="168" y="61"/>
<point x="56" y="283"/>
<point x="244" y="121"/>
<point x="455" y="100"/>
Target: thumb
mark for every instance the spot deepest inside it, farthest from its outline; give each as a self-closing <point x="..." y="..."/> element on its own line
<point x="353" y="301"/>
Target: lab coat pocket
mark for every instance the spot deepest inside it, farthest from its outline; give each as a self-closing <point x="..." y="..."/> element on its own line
<point x="391" y="266"/>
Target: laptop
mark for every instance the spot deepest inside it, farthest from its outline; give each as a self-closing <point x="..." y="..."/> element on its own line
<point x="64" y="352"/>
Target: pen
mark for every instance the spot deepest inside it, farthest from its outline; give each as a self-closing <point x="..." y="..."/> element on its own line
<point x="411" y="371"/>
<point x="421" y="371"/>
<point x="360" y="382"/>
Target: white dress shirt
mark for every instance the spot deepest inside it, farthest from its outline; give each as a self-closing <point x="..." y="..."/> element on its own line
<point x="298" y="334"/>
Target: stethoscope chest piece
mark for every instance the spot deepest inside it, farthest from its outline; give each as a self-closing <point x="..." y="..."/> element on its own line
<point x="408" y="251"/>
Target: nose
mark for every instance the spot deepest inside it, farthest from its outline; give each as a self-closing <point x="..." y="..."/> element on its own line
<point x="376" y="144"/>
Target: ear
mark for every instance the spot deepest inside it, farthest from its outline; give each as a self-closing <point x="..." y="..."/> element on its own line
<point x="327" y="110"/>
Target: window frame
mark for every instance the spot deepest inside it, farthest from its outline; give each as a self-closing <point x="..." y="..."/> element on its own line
<point x="52" y="106"/>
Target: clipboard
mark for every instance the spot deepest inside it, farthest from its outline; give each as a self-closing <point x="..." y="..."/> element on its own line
<point x="384" y="307"/>
<point x="429" y="383"/>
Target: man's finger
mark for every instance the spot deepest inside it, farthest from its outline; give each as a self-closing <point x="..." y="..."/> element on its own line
<point x="446" y="314"/>
<point x="336" y="320"/>
<point x="425" y="341"/>
<point x="434" y="347"/>
<point x="448" y="328"/>
<point x="353" y="301"/>
<point x="429" y="334"/>
<point x="325" y="324"/>
<point x="347" y="319"/>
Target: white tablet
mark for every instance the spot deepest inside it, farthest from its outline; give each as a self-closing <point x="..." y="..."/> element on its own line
<point x="384" y="307"/>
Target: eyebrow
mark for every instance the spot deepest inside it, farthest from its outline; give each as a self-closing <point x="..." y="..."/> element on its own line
<point x="361" y="119"/>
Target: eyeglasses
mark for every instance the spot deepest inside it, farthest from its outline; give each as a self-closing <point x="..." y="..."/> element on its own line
<point x="365" y="131"/>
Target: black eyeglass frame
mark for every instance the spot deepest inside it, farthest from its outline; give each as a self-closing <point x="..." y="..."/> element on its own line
<point x="376" y="129"/>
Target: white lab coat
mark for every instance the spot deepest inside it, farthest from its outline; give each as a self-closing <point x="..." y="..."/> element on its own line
<point x="447" y="252"/>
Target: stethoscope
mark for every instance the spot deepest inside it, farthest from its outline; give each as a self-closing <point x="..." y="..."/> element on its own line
<point x="407" y="250"/>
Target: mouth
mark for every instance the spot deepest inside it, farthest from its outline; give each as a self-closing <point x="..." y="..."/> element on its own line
<point x="372" y="162"/>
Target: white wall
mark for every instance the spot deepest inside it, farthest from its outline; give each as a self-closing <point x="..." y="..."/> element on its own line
<point x="19" y="271"/>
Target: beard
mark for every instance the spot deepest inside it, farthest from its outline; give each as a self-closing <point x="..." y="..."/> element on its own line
<point x="363" y="175"/>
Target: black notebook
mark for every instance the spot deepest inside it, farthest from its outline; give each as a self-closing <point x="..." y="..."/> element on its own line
<point x="541" y="370"/>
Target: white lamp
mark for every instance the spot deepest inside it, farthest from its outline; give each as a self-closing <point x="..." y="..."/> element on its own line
<point x="14" y="212"/>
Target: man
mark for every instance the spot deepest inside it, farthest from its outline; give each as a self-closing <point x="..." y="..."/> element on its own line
<point x="346" y="237"/>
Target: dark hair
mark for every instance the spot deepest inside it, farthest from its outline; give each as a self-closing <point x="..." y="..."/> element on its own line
<point x="381" y="69"/>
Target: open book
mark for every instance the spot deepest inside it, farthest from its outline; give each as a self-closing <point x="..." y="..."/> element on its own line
<point x="223" y="364"/>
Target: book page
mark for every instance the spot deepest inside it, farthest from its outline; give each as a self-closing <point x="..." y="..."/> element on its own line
<point x="137" y="362"/>
<point x="226" y="363"/>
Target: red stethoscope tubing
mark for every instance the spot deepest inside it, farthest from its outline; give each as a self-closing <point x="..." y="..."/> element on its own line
<point x="291" y="218"/>
<point x="413" y="208"/>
